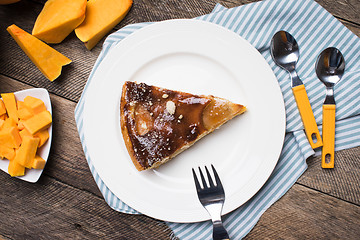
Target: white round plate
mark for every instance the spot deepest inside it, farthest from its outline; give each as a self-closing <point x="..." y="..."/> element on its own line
<point x="33" y="175"/>
<point x="201" y="58"/>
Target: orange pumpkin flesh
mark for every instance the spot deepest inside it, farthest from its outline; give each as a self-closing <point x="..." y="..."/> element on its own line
<point x="58" y="19"/>
<point x="48" y="60"/>
<point x="101" y="16"/>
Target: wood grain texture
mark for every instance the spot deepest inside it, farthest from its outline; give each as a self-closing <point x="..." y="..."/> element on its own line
<point x="344" y="9"/>
<point x="303" y="213"/>
<point x="51" y="209"/>
<point x="343" y="181"/>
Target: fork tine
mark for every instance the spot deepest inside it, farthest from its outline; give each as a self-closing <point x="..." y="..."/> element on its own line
<point x="209" y="177"/>
<point x="217" y="179"/>
<point x="212" y="199"/>
<point x="203" y="179"/>
<point x="197" y="184"/>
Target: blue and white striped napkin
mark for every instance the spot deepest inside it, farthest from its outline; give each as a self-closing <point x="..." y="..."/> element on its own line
<point x="314" y="29"/>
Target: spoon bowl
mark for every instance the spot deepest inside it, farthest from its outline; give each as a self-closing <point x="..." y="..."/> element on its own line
<point x="330" y="66"/>
<point x="285" y="50"/>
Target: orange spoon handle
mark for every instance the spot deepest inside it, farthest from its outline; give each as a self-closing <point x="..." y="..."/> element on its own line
<point x="307" y="116"/>
<point x="327" y="155"/>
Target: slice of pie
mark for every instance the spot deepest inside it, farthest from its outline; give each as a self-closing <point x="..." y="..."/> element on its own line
<point x="157" y="123"/>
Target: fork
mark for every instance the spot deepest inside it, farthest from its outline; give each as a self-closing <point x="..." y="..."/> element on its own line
<point x="212" y="198"/>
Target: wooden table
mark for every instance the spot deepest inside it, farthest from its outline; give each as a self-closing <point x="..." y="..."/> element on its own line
<point x="66" y="203"/>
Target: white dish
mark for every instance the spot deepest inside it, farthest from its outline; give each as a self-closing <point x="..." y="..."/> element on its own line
<point x="33" y="175"/>
<point x="201" y="58"/>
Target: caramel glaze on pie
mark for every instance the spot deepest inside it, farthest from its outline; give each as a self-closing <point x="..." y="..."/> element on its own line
<point x="157" y="123"/>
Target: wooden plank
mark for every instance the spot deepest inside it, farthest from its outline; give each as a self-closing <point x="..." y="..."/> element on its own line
<point x="352" y="27"/>
<point x="303" y="213"/>
<point x="51" y="209"/>
<point x="345" y="9"/>
<point x="60" y="211"/>
<point x="341" y="181"/>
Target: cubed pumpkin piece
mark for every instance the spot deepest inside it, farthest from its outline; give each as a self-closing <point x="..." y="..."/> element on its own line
<point x="20" y="125"/>
<point x="10" y="105"/>
<point x="15" y="169"/>
<point x="24" y="113"/>
<point x="20" y="105"/>
<point x="35" y="104"/>
<point x="1" y="123"/>
<point x="10" y="137"/>
<point x="24" y="133"/>
<point x="48" y="60"/>
<point x="2" y="107"/>
<point x="38" y="163"/>
<point x="58" y="19"/>
<point x="38" y="122"/>
<point x="101" y="16"/>
<point x="43" y="135"/>
<point x="9" y="122"/>
<point x="3" y="117"/>
<point x="27" y="151"/>
<point x="6" y="152"/>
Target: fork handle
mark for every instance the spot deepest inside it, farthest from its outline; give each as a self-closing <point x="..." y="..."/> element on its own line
<point x="219" y="232"/>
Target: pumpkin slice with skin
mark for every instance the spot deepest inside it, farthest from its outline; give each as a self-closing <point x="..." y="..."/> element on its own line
<point x="48" y="60"/>
<point x="58" y="19"/>
<point x="101" y="16"/>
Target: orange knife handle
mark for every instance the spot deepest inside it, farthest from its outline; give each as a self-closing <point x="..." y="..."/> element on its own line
<point x="307" y="116"/>
<point x="328" y="155"/>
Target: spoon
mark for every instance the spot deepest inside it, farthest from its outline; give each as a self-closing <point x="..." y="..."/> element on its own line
<point x="330" y="66"/>
<point x="285" y="52"/>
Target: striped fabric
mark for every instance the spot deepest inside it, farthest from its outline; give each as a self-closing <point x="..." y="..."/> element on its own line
<point x="314" y="29"/>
